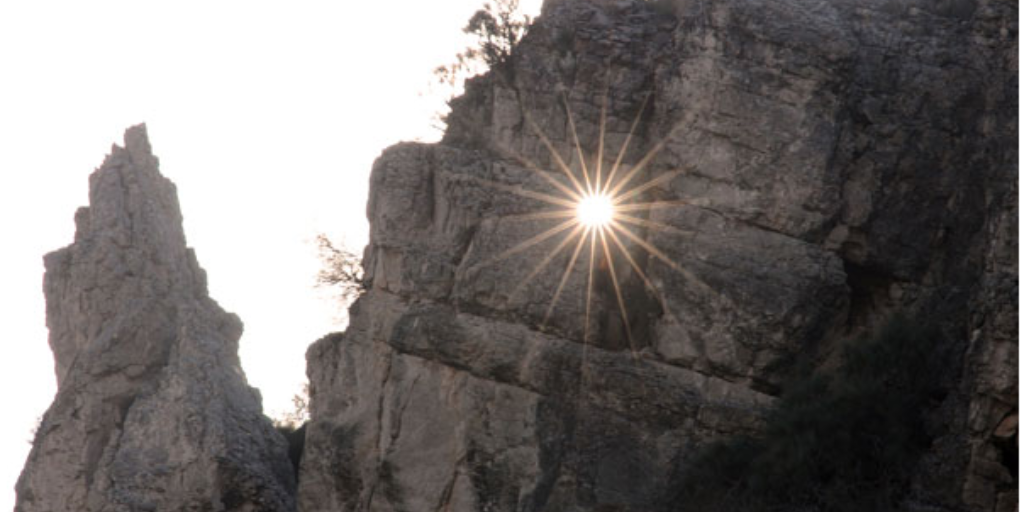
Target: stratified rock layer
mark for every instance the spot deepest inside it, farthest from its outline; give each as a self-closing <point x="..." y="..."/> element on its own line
<point x="838" y="162"/>
<point x="152" y="410"/>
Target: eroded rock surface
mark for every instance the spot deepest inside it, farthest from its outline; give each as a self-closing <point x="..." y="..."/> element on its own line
<point x="152" y="411"/>
<point x="827" y="164"/>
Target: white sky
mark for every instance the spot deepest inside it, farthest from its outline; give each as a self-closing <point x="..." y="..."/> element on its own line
<point x="267" y="115"/>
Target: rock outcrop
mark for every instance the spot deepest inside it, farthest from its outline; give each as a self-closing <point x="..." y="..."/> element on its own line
<point x="152" y="411"/>
<point x="822" y="165"/>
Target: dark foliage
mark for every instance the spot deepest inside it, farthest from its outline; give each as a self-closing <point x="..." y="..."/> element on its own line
<point x="341" y="268"/>
<point x="840" y="440"/>
<point x="498" y="28"/>
<point x="296" y="438"/>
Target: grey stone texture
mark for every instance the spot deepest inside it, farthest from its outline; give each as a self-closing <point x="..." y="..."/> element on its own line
<point x="152" y="410"/>
<point x="820" y="166"/>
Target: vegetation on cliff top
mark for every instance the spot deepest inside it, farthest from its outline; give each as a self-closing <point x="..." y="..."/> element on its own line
<point x="497" y="27"/>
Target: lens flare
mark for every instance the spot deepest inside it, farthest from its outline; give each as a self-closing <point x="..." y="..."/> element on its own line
<point x="595" y="210"/>
<point x="594" y="206"/>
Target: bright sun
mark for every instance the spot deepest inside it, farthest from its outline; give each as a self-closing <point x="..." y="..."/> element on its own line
<point x="600" y="208"/>
<point x="595" y="210"/>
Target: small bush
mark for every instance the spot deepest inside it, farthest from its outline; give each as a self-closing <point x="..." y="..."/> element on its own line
<point x="840" y="440"/>
<point x="498" y="28"/>
<point x="341" y="269"/>
<point x="292" y="426"/>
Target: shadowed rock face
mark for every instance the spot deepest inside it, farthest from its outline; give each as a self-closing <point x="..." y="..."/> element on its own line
<point x="152" y="410"/>
<point x="840" y="161"/>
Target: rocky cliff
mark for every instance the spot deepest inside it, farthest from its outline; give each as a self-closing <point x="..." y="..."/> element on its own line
<point x="811" y="168"/>
<point x="152" y="411"/>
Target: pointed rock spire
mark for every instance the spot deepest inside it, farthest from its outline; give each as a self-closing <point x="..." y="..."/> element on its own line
<point x="152" y="411"/>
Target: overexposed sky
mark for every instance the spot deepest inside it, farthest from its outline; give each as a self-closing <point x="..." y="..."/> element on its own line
<point x="267" y="115"/>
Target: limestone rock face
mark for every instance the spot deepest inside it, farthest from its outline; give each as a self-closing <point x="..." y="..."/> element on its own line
<point x="991" y="363"/>
<point x="152" y="411"/>
<point x="814" y="167"/>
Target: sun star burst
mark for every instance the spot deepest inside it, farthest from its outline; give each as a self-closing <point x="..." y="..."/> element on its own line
<point x="596" y="209"/>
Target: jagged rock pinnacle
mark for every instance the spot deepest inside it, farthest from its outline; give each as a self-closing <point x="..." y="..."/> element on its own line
<point x="152" y="410"/>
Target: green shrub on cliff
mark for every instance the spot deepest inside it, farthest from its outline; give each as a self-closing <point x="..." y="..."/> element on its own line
<point x="844" y="439"/>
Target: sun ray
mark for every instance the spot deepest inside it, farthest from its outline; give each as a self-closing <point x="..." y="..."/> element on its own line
<point x="565" y="277"/>
<point x="657" y="253"/>
<point x="554" y="153"/>
<point x="533" y="167"/>
<point x="636" y="266"/>
<point x="625" y="144"/>
<point x="547" y="260"/>
<point x="644" y="161"/>
<point x="530" y="242"/>
<point x="542" y="215"/>
<point x="530" y="194"/>
<point x="643" y="275"/>
<point x="614" y="191"/>
<point x="590" y="289"/>
<point x="654" y="205"/>
<point x="579" y="147"/>
<point x="618" y="295"/>
<point x="598" y="186"/>
<point x="651" y="224"/>
<point x="598" y="206"/>
<point x="639" y="189"/>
